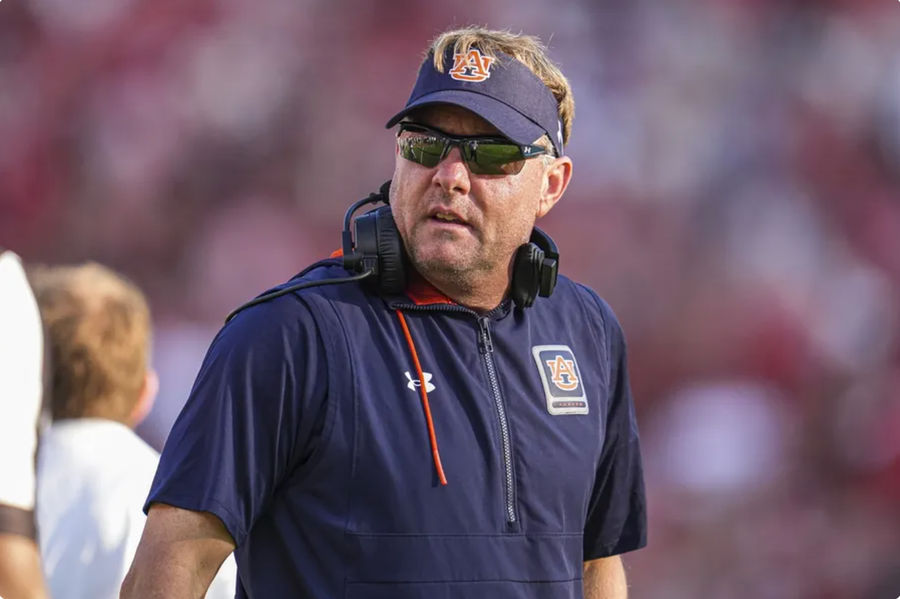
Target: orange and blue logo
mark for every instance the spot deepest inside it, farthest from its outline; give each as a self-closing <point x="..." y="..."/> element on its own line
<point x="471" y="66"/>
<point x="563" y="386"/>
<point x="563" y="373"/>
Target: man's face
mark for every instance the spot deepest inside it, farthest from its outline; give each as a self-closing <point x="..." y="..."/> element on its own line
<point x="459" y="227"/>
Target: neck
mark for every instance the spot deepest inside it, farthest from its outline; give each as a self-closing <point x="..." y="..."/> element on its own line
<point x="481" y="294"/>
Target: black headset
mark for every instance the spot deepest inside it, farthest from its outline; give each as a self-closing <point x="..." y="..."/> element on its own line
<point x="374" y="250"/>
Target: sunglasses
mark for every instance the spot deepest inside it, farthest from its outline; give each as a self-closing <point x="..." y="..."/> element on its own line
<point x="483" y="155"/>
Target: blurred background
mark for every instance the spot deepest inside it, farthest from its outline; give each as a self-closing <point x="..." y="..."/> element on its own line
<point x="736" y="199"/>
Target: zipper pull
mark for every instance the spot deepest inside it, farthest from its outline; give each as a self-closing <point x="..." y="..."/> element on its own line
<point x="487" y="345"/>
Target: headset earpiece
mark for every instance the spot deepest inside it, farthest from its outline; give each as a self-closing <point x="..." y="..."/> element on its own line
<point x="549" y="262"/>
<point x="526" y="279"/>
<point x="391" y="272"/>
<point x="375" y="244"/>
<point x="535" y="269"/>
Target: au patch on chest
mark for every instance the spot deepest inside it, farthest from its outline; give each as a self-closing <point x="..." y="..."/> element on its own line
<point x="563" y="386"/>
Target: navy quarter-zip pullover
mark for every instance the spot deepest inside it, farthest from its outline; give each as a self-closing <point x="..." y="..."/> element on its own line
<point x="305" y="434"/>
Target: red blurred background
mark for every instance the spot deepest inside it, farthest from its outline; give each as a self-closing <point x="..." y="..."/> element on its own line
<point x="736" y="198"/>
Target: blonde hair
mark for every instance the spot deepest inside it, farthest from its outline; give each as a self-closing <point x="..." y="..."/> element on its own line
<point x="527" y="49"/>
<point x="98" y="335"/>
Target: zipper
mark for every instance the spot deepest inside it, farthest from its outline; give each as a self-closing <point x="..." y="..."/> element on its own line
<point x="487" y="351"/>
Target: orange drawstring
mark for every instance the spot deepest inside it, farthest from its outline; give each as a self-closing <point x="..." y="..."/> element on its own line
<point x="431" y="436"/>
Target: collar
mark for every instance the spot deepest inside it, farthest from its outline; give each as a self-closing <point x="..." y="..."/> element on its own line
<point x="423" y="293"/>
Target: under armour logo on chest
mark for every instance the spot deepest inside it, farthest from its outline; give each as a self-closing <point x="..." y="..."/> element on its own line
<point x="414" y="382"/>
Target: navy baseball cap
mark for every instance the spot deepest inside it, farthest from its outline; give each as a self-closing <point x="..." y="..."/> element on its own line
<point x="501" y="90"/>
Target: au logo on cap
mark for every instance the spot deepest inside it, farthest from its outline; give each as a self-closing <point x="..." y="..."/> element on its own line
<point x="563" y="387"/>
<point x="471" y="66"/>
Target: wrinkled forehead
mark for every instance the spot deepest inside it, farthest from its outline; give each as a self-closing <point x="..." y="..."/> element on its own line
<point x="453" y="119"/>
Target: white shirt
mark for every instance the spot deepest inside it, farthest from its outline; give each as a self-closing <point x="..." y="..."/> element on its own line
<point x="21" y="363"/>
<point x="93" y="479"/>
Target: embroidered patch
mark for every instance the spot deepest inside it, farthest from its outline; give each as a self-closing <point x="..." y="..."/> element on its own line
<point x="471" y="66"/>
<point x="563" y="386"/>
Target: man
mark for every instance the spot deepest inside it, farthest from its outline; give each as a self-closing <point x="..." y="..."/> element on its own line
<point x="21" y="367"/>
<point x="93" y="470"/>
<point x="304" y="446"/>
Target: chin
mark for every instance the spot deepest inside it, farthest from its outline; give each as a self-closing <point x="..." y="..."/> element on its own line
<point x="441" y="264"/>
<point x="441" y="260"/>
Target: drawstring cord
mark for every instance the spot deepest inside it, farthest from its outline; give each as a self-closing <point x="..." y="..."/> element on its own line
<point x="435" y="454"/>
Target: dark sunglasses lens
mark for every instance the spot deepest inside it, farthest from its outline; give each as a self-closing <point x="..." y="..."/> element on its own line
<point x="424" y="150"/>
<point x="495" y="158"/>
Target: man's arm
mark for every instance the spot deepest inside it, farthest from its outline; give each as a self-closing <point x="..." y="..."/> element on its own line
<point x="178" y="556"/>
<point x="20" y="568"/>
<point x="604" y="578"/>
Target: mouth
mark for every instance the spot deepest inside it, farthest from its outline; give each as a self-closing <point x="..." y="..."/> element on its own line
<point x="447" y="217"/>
<point x="444" y="217"/>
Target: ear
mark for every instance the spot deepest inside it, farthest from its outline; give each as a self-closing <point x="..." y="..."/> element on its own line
<point x="146" y="399"/>
<point x="556" y="180"/>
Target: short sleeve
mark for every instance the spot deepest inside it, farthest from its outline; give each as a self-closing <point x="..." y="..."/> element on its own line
<point x="21" y="382"/>
<point x="254" y="415"/>
<point x="617" y="513"/>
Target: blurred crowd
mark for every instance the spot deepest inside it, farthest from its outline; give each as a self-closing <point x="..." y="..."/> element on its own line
<point x="736" y="198"/>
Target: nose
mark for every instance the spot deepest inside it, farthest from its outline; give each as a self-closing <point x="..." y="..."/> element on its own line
<point x="452" y="174"/>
